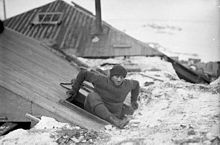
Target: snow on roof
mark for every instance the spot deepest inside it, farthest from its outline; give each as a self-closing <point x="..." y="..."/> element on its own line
<point x="170" y="111"/>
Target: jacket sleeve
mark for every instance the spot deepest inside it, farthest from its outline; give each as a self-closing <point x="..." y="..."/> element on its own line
<point x="135" y="90"/>
<point x="82" y="76"/>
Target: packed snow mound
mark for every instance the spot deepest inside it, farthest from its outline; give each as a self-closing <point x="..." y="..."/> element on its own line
<point x="48" y="131"/>
<point x="153" y="67"/>
<point x="50" y="123"/>
<point x="27" y="137"/>
<point x="171" y="112"/>
<point x="145" y="63"/>
<point x="216" y="85"/>
<point x="216" y="82"/>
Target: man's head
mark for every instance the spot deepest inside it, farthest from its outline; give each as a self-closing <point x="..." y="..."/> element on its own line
<point x="118" y="74"/>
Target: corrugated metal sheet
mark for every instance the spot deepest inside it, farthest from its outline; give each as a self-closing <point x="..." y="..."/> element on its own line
<point x="76" y="32"/>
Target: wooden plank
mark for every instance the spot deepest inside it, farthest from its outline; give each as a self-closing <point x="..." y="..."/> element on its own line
<point x="81" y="111"/>
<point x="28" y="82"/>
<point x="34" y="46"/>
<point x="64" y="112"/>
<point x="42" y="60"/>
<point x="33" y="55"/>
<point x="30" y="85"/>
<point x="34" y="71"/>
<point x="32" y="117"/>
<point x="20" y="63"/>
<point x="11" y="70"/>
<point x="121" y="46"/>
<point x="15" y="107"/>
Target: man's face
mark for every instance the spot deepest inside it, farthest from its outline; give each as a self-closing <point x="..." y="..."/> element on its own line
<point x="117" y="80"/>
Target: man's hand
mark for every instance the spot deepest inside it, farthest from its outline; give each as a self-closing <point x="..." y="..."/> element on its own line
<point x="73" y="81"/>
<point x="71" y="94"/>
<point x="134" y="105"/>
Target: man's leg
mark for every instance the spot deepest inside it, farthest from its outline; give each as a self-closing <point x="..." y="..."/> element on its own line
<point x="95" y="105"/>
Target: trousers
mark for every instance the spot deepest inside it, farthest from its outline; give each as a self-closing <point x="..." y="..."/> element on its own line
<point x="95" y="105"/>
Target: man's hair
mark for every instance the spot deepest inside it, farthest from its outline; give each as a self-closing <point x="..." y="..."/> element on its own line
<point x="118" y="70"/>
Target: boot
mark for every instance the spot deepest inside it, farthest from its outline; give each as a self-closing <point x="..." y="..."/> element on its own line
<point x="118" y="122"/>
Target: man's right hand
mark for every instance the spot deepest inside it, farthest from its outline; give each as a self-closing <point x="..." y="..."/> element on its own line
<point x="71" y="94"/>
<point x="134" y="105"/>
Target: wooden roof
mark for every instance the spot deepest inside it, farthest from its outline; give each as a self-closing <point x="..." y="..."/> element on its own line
<point x="76" y="31"/>
<point x="34" y="73"/>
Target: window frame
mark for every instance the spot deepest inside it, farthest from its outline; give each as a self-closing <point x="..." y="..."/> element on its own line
<point x="37" y="20"/>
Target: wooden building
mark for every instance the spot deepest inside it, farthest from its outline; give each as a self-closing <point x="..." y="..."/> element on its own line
<point x="74" y="29"/>
<point x="29" y="82"/>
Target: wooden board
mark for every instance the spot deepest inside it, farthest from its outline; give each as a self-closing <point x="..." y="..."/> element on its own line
<point x="34" y="73"/>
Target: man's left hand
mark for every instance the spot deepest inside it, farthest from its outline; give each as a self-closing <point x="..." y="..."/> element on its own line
<point x="134" y="105"/>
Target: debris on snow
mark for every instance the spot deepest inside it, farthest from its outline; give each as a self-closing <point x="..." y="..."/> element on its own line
<point x="50" y="131"/>
<point x="177" y="113"/>
<point x="171" y="112"/>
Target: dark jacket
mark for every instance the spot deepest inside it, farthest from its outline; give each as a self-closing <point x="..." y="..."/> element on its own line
<point x="111" y="95"/>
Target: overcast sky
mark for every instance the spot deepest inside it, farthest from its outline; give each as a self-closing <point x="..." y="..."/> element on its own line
<point x="131" y="15"/>
<point x="131" y="9"/>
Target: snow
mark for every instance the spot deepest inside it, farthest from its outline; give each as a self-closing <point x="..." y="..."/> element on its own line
<point x="152" y="66"/>
<point x="171" y="111"/>
<point x="216" y="82"/>
<point x="49" y="123"/>
<point x="48" y="131"/>
<point x="23" y="137"/>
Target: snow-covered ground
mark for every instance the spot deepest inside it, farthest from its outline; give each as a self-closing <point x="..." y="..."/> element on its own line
<point x="171" y="111"/>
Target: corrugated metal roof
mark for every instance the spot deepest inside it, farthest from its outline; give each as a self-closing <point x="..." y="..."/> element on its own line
<point x="76" y="32"/>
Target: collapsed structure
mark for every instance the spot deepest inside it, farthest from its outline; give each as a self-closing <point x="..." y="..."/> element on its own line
<point x="30" y="78"/>
<point x="32" y="73"/>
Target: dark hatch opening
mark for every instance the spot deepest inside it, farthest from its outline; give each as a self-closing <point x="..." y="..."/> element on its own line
<point x="78" y="104"/>
<point x="78" y="101"/>
<point x="80" y="97"/>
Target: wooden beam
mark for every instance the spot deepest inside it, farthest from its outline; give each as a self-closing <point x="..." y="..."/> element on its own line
<point x="121" y="46"/>
<point x="32" y="117"/>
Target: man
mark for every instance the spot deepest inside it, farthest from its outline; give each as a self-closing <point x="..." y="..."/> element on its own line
<point x="109" y="94"/>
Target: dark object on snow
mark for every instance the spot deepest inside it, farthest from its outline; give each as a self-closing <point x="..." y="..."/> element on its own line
<point x="215" y="141"/>
<point x="2" y="28"/>
<point x="191" y="131"/>
<point x="148" y="83"/>
<point x="7" y="126"/>
<point x="187" y="74"/>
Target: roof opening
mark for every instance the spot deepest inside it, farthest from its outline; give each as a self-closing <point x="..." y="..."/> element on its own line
<point x="54" y="18"/>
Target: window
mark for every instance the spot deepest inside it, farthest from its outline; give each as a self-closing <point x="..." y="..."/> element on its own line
<point x="48" y="18"/>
